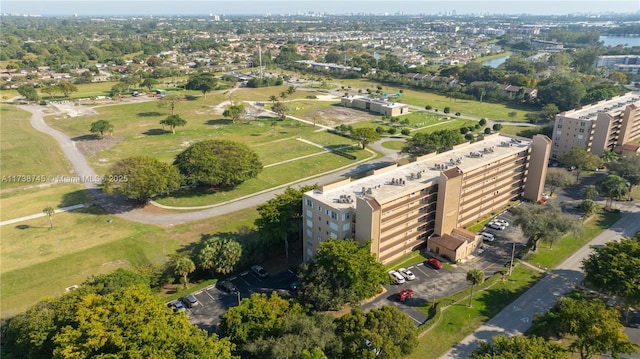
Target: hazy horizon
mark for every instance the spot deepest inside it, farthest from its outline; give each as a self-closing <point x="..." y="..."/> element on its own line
<point x="292" y="7"/>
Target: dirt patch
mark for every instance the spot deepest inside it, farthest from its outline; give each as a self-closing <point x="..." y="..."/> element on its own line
<point x="335" y="116"/>
<point x="93" y="147"/>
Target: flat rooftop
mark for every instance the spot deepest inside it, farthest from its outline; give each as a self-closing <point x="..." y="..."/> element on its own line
<point x="613" y="107"/>
<point x="390" y="182"/>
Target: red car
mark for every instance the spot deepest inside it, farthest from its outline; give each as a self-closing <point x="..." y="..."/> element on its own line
<point x="404" y="294"/>
<point x="434" y="263"/>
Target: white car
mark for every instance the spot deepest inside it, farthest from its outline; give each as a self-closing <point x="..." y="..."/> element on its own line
<point x="494" y="225"/>
<point x="396" y="278"/>
<point x="501" y="221"/>
<point x="407" y="274"/>
<point x="488" y="236"/>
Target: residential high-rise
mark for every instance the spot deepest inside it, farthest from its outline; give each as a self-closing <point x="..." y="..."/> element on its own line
<point x="598" y="127"/>
<point x="399" y="207"/>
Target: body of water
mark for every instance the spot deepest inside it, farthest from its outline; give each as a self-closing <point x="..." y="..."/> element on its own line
<point x="626" y="41"/>
<point x="495" y="62"/>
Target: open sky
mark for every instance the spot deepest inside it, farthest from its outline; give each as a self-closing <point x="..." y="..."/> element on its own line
<point x="277" y="7"/>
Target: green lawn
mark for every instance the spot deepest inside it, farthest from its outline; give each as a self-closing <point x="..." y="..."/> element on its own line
<point x="38" y="262"/>
<point x="19" y="202"/>
<point x="27" y="152"/>
<point x="551" y="257"/>
<point x="472" y="108"/>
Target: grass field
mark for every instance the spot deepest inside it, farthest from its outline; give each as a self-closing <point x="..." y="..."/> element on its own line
<point x="38" y="262"/>
<point x="26" y="152"/>
<point x="493" y="111"/>
<point x="25" y="201"/>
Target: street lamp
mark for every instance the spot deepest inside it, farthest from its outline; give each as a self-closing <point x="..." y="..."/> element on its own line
<point x="238" y="293"/>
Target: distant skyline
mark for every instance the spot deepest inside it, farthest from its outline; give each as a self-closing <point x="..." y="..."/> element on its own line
<point x="276" y="7"/>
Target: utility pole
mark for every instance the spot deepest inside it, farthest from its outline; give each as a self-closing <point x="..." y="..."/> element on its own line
<point x="513" y="252"/>
<point x="260" y="59"/>
<point x="238" y="293"/>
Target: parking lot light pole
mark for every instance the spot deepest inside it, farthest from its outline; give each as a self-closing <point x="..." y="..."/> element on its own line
<point x="513" y="252"/>
<point x="238" y="293"/>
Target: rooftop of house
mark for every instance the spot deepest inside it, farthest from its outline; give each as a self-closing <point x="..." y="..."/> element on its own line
<point x="391" y="182"/>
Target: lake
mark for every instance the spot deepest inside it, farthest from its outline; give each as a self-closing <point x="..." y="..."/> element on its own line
<point x="495" y="62"/>
<point x="627" y="41"/>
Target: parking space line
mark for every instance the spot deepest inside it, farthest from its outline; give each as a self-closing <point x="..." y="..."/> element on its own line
<point x="421" y="271"/>
<point x="416" y="320"/>
<point x="210" y="296"/>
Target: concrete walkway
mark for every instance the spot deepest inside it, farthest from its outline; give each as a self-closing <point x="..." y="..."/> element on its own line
<point x="40" y="215"/>
<point x="517" y="317"/>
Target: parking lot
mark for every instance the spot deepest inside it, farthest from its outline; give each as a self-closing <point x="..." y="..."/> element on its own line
<point x="214" y="301"/>
<point x="431" y="284"/>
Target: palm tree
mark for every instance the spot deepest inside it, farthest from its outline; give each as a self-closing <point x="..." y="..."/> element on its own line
<point x="475" y="276"/>
<point x="590" y="192"/>
<point x="273" y="99"/>
<point x="291" y="90"/>
<point x="49" y="211"/>
<point x="182" y="267"/>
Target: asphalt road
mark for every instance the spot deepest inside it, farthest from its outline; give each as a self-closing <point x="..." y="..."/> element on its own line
<point x="516" y="318"/>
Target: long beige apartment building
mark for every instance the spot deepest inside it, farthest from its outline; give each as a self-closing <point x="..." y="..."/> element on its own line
<point x="399" y="208"/>
<point x="603" y="126"/>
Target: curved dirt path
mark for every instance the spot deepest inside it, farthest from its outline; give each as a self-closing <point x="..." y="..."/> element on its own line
<point x="127" y="210"/>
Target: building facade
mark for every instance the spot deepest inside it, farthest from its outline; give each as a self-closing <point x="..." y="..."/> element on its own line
<point x="379" y="106"/>
<point x="599" y="127"/>
<point x="398" y="208"/>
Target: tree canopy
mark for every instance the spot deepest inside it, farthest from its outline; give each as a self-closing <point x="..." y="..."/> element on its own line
<point x="613" y="187"/>
<point x="281" y="217"/>
<point x="171" y="100"/>
<point x="203" y="82"/>
<point x="564" y="91"/>
<point x="557" y="178"/>
<point x="219" y="254"/>
<point x="341" y="272"/>
<point x="591" y="328"/>
<point x="141" y="177"/>
<point x="218" y="163"/>
<point x="385" y="332"/>
<point x="544" y="223"/>
<point x="615" y="268"/>
<point x="234" y="112"/>
<point x="172" y="121"/>
<point x="581" y="160"/>
<point x="627" y="167"/>
<point x="519" y="347"/>
<point x="110" y="316"/>
<point x="365" y="135"/>
<point x="101" y="126"/>
<point x="439" y="141"/>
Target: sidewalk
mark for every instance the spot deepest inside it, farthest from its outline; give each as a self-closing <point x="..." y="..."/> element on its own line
<point x="39" y="215"/>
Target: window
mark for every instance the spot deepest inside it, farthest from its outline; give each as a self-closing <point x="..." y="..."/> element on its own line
<point x="319" y="239"/>
<point x="333" y="226"/>
<point x="346" y="216"/>
<point x="309" y="223"/>
<point x="346" y="226"/>
<point x="334" y="215"/>
<point x="309" y="203"/>
<point x="580" y="136"/>
<point x="559" y="126"/>
<point x="310" y="243"/>
<point x="320" y="209"/>
<point x="309" y="213"/>
<point x="581" y="130"/>
<point x="558" y="132"/>
<point x="309" y="233"/>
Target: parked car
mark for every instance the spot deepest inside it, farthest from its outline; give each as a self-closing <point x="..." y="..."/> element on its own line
<point x="495" y="225"/>
<point x="486" y="236"/>
<point x="396" y="278"/>
<point x="404" y="294"/>
<point x="176" y="305"/>
<point x="502" y="222"/>
<point x="228" y="286"/>
<point x="294" y="285"/>
<point x="407" y="274"/>
<point x="189" y="300"/>
<point x="434" y="263"/>
<point x="259" y="271"/>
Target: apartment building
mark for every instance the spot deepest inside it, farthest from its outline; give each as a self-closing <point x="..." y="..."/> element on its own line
<point x="399" y="208"/>
<point x="603" y="126"/>
<point x="379" y="106"/>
